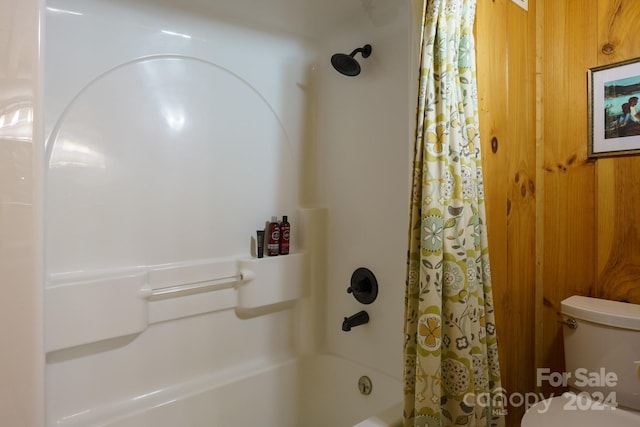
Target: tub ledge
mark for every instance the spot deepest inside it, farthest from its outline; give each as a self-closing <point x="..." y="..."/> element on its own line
<point x="390" y="417"/>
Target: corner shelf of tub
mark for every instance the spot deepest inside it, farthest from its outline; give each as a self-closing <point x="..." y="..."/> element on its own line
<point x="271" y="280"/>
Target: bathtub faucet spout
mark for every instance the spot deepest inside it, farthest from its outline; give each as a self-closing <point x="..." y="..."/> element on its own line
<point x="360" y="318"/>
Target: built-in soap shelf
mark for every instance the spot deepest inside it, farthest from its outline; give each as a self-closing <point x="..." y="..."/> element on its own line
<point x="85" y="308"/>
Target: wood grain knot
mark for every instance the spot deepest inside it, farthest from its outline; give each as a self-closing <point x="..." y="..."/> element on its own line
<point x="494" y="145"/>
<point x="608" y="49"/>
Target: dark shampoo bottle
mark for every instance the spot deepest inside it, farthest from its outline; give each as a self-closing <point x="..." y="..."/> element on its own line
<point x="273" y="243"/>
<point x="285" y="233"/>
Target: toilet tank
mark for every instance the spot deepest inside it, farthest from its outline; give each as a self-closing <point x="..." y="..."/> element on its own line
<point x="602" y="354"/>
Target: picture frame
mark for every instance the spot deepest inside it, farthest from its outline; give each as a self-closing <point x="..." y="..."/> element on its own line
<point x="614" y="110"/>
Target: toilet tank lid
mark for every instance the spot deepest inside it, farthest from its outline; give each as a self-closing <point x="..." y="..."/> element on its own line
<point x="613" y="313"/>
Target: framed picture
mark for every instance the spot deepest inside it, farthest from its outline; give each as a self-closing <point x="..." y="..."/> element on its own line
<point x="614" y="111"/>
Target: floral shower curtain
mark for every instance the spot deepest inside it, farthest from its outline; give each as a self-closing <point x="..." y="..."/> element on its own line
<point x="452" y="375"/>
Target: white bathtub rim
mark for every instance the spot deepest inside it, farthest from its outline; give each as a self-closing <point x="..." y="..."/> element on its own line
<point x="132" y="406"/>
<point x="117" y="411"/>
<point x="390" y="417"/>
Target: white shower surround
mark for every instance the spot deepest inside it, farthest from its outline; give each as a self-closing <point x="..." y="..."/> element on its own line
<point x="343" y="145"/>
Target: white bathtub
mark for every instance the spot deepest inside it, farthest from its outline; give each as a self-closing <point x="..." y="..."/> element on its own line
<point x="314" y="391"/>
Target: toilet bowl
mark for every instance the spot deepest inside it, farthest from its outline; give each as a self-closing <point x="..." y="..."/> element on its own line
<point x="570" y="409"/>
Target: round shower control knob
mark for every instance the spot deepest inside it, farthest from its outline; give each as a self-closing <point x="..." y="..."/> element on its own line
<point x="364" y="286"/>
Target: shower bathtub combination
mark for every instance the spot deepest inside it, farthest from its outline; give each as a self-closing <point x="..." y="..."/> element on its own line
<point x="173" y="131"/>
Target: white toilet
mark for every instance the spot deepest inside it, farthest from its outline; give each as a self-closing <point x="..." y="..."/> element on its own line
<point x="602" y="355"/>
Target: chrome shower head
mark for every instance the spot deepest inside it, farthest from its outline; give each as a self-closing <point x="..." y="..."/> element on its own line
<point x="347" y="64"/>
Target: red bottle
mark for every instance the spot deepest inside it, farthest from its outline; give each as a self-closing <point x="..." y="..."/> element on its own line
<point x="273" y="244"/>
<point x="285" y="229"/>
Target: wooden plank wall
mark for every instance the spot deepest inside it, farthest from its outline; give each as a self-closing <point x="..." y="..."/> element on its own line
<point x="618" y="180"/>
<point x="559" y="223"/>
<point x="568" y="240"/>
<point x="506" y="59"/>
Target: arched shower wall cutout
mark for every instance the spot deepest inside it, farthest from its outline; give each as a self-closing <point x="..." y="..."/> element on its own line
<point x="53" y="136"/>
<point x="122" y="188"/>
